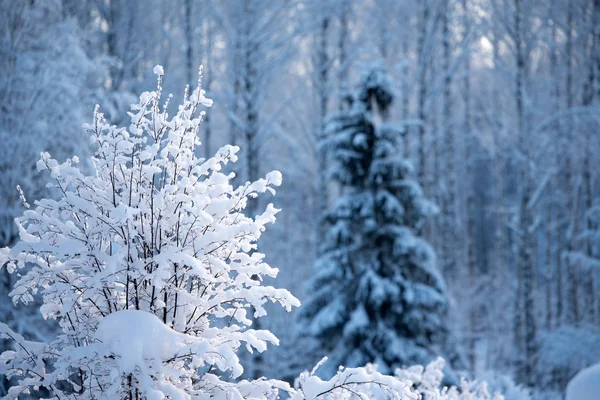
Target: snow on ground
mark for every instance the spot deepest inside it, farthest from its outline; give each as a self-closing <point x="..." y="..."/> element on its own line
<point x="585" y="385"/>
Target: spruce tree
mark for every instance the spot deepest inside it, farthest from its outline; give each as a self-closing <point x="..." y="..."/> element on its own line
<point x="376" y="293"/>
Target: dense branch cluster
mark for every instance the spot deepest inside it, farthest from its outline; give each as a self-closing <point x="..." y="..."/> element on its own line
<point x="155" y="239"/>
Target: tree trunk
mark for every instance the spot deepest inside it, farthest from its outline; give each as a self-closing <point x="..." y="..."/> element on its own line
<point x="405" y="96"/>
<point x="572" y="270"/>
<point x="343" y="57"/>
<point x="556" y="213"/>
<point x="526" y="245"/>
<point x="207" y="82"/>
<point x="448" y="131"/>
<point x="422" y="84"/>
<point x="588" y="225"/>
<point x="322" y="85"/>
<point x="189" y="56"/>
<point x="250" y="120"/>
<point x="471" y="255"/>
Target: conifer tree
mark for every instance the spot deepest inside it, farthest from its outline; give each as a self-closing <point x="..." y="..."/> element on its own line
<point x="377" y="295"/>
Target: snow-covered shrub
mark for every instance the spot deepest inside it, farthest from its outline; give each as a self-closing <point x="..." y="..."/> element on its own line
<point x="149" y="265"/>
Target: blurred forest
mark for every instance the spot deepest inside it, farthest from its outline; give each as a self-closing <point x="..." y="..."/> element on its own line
<point x="499" y="107"/>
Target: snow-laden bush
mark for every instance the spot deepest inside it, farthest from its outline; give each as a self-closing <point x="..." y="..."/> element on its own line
<point x="150" y="267"/>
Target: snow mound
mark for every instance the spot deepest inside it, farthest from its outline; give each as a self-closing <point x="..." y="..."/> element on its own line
<point x="140" y="338"/>
<point x="585" y="385"/>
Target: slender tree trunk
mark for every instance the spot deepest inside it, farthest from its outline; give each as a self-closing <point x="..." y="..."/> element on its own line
<point x="237" y="90"/>
<point x="572" y="270"/>
<point x="422" y="85"/>
<point x="526" y="306"/>
<point x="207" y="82"/>
<point x="447" y="123"/>
<point x="405" y="96"/>
<point x="471" y="255"/>
<point x="596" y="91"/>
<point x="588" y="274"/>
<point x="111" y="17"/>
<point x="588" y="100"/>
<point x="322" y="85"/>
<point x="189" y="55"/>
<point x="556" y="204"/>
<point x="549" y="259"/>
<point x="251" y="129"/>
<point x="504" y="241"/>
<point x="343" y="56"/>
<point x="383" y="35"/>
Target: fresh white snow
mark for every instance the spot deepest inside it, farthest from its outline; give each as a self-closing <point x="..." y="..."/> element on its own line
<point x="585" y="385"/>
<point x="139" y="338"/>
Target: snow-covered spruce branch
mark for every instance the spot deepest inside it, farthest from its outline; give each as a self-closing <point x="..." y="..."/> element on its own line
<point x="149" y="267"/>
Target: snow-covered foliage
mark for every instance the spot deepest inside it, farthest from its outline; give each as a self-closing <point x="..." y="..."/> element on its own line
<point x="352" y="383"/>
<point x="428" y="383"/>
<point x="376" y="295"/>
<point x="416" y="382"/>
<point x="147" y="265"/>
<point x="585" y="385"/>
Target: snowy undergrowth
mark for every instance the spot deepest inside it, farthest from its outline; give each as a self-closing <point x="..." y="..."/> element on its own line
<point x="150" y="267"/>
